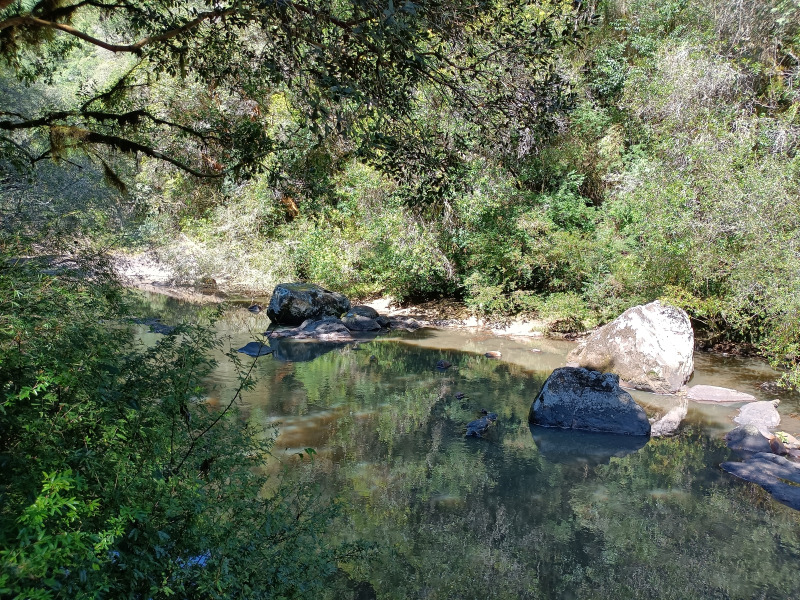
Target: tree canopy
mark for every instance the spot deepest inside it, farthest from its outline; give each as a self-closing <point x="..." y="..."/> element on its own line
<point x="192" y="82"/>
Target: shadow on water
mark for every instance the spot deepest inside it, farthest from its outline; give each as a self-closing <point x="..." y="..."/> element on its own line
<point x="289" y="350"/>
<point x="583" y="447"/>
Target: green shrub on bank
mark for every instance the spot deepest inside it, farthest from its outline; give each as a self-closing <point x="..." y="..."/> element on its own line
<point x="118" y="480"/>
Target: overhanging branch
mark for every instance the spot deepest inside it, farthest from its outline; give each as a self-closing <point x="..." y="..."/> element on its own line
<point x="129" y="146"/>
<point x="135" y="48"/>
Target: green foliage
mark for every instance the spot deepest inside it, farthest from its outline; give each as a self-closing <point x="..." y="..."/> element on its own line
<point x="608" y="72"/>
<point x="119" y="480"/>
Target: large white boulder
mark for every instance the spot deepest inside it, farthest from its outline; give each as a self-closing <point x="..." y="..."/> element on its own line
<point x="650" y="347"/>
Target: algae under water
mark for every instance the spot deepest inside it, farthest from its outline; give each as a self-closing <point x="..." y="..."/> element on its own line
<point x="524" y="512"/>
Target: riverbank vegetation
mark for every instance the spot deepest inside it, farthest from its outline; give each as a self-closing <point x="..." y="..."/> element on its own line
<point x="628" y="151"/>
<point x="119" y="480"/>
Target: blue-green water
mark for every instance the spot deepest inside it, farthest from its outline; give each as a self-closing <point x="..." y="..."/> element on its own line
<point x="522" y="513"/>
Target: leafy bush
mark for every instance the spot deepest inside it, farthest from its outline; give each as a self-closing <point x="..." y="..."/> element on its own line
<point x="118" y="480"/>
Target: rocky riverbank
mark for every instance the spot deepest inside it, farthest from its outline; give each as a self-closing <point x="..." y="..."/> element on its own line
<point x="145" y="272"/>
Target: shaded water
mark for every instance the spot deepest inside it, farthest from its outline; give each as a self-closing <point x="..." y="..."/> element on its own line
<point x="523" y="513"/>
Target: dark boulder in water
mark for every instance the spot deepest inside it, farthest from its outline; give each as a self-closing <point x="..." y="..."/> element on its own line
<point x="479" y="427"/>
<point x="576" y="398"/>
<point x="293" y="303"/>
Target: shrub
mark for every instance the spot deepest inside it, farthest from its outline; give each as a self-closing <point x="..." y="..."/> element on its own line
<point x="117" y="480"/>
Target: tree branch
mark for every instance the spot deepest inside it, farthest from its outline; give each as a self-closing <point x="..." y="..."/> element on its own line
<point x="126" y="145"/>
<point x="135" y="48"/>
<point x="128" y="118"/>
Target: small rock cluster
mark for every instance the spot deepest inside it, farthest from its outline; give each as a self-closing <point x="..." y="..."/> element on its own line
<point x="320" y="315"/>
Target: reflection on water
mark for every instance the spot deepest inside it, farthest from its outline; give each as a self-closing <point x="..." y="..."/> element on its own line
<point x="518" y="514"/>
<point x="583" y="447"/>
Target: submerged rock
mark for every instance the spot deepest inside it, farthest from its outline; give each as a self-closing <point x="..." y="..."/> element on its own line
<point x="761" y="414"/>
<point x="771" y="472"/>
<point x="671" y="421"/>
<point x="650" y="347"/>
<point x="293" y="303"/>
<point x="576" y="398"/>
<point x="717" y="395"/>
<point x="155" y="325"/>
<point x="255" y="349"/>
<point x="479" y="427"/>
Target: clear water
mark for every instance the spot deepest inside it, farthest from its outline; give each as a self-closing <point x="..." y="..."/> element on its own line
<point x="523" y="513"/>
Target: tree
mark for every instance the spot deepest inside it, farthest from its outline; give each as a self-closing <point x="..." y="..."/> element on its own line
<point x="358" y="68"/>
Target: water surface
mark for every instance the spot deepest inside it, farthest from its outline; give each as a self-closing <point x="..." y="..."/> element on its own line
<point x="525" y="512"/>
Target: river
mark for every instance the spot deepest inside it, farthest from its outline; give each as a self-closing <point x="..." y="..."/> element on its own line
<point x="525" y="512"/>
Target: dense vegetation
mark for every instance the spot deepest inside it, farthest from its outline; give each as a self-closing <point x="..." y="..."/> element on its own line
<point x="560" y="159"/>
<point x="119" y="480"/>
<point x="625" y="151"/>
<point x="668" y="170"/>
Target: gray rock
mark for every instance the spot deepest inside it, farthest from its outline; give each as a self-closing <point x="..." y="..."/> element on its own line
<point x="761" y="414"/>
<point x="360" y="323"/>
<point x="479" y="427"/>
<point x="332" y="332"/>
<point x="770" y="472"/>
<point x="650" y="347"/>
<point x="671" y="421"/>
<point x="383" y="321"/>
<point x="327" y="329"/>
<point x="404" y="324"/>
<point x="747" y="440"/>
<point x="576" y="398"/>
<point x="255" y="349"/>
<point x="363" y="311"/>
<point x="717" y="395"/>
<point x="293" y="303"/>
